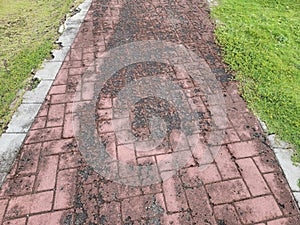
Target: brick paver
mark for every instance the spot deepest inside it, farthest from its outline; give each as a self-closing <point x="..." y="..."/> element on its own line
<point x="51" y="182"/>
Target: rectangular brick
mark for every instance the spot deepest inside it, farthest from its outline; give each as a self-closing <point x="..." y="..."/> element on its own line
<point x="20" y="221"/>
<point x="266" y="163"/>
<point x="76" y="71"/>
<point x="285" y="221"/>
<point x="245" y="133"/>
<point x="106" y="114"/>
<point x="76" y="54"/>
<point x="243" y="149"/>
<point x="196" y="176"/>
<point x="17" y="186"/>
<point x="252" y="177"/>
<point x="143" y="206"/>
<point x="70" y="160"/>
<point x="111" y="212"/>
<point x="226" y="214"/>
<point x="68" y="131"/>
<point x="63" y="98"/>
<point x="59" y="146"/>
<point x="46" y="134"/>
<point x="123" y="136"/>
<point x="44" y="108"/>
<point x="56" y="115"/>
<point x="61" y="77"/>
<point x="174" y="161"/>
<point x="231" y="136"/>
<point x="105" y="126"/>
<point x="174" y="194"/>
<point x="29" y="159"/>
<point x="126" y="191"/>
<point x="39" y="123"/>
<point x="282" y="193"/>
<point x="27" y="204"/>
<point x="47" y="173"/>
<point x="148" y="174"/>
<point x="58" y="89"/>
<point x="199" y="204"/>
<point x="226" y="165"/>
<point x="227" y="191"/>
<point x="74" y="84"/>
<point x="65" y="189"/>
<point x="258" y="209"/>
<point x="176" y="219"/>
<point x="105" y="103"/>
<point x="201" y="154"/>
<point x="3" y="204"/>
<point x="53" y="218"/>
<point x="126" y="154"/>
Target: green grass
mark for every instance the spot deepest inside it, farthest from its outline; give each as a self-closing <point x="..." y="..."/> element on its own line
<point x="28" y="30"/>
<point x="260" y="41"/>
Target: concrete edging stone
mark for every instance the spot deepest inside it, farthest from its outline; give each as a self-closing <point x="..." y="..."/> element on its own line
<point x="12" y="140"/>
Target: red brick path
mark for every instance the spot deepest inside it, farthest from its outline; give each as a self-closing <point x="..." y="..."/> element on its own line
<point x="50" y="182"/>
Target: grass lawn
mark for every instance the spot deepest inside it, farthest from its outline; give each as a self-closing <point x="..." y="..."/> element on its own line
<point x="28" y="30"/>
<point x="261" y="42"/>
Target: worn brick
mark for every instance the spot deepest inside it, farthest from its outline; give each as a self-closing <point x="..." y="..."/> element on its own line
<point x="46" y="134"/>
<point x="65" y="189"/>
<point x="174" y="195"/>
<point x="258" y="209"/>
<point x="17" y="186"/>
<point x="252" y="177"/>
<point x="227" y="191"/>
<point x="140" y="207"/>
<point x="27" y="204"/>
<point x="53" y="218"/>
<point x="59" y="146"/>
<point x="285" y="221"/>
<point x="29" y="158"/>
<point x="3" y="204"/>
<point x="226" y="164"/>
<point x="282" y="193"/>
<point x="243" y="149"/>
<point x="68" y="130"/>
<point x="56" y="115"/>
<point x="196" y="176"/>
<point x="20" y="221"/>
<point x="70" y="160"/>
<point x="47" y="173"/>
<point x="226" y="214"/>
<point x="199" y="204"/>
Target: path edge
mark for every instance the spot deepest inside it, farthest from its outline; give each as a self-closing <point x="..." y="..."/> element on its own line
<point x="282" y="150"/>
<point x="12" y="139"/>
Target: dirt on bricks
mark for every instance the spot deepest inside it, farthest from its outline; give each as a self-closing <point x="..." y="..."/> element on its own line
<point x="51" y="183"/>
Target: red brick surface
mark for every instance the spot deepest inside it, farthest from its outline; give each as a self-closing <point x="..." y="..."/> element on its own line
<point x="51" y="181"/>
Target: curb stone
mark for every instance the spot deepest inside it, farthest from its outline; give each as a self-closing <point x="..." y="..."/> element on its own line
<point x="12" y="140"/>
<point x="284" y="152"/>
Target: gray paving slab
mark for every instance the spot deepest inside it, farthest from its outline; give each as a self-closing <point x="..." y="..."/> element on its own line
<point x="297" y="197"/>
<point x="23" y="118"/>
<point x="66" y="39"/>
<point x="9" y="147"/>
<point x="284" y="152"/>
<point x="49" y="71"/>
<point x="38" y="94"/>
<point x="59" y="54"/>
<point x="12" y="140"/>
<point x="291" y="171"/>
